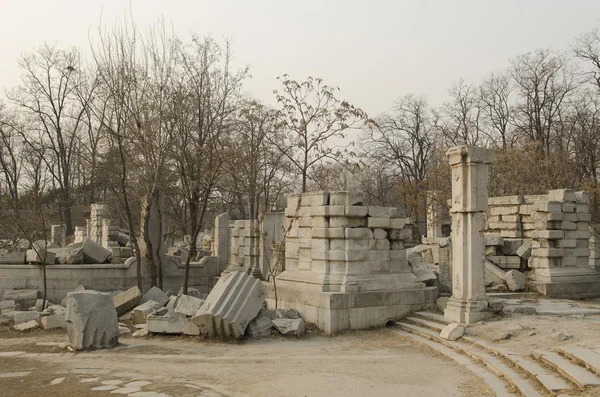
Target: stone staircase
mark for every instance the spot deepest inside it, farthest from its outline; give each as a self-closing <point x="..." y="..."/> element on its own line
<point x="566" y="370"/>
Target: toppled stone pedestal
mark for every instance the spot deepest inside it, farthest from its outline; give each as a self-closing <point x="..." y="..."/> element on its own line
<point x="234" y="301"/>
<point x="91" y="320"/>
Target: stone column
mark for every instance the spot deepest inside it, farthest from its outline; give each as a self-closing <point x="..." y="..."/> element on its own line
<point x="58" y="234"/>
<point x="470" y="175"/>
<point x="434" y="223"/>
<point x="221" y="242"/>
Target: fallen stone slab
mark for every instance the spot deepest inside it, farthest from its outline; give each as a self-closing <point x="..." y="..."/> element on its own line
<point x="188" y="305"/>
<point x="91" y="320"/>
<point x="21" y="317"/>
<point x="421" y="270"/>
<point x="23" y="298"/>
<point x="155" y="294"/>
<point x="172" y="302"/>
<point x="172" y="323"/>
<point x="260" y="327"/>
<point x="452" y="331"/>
<point x="515" y="280"/>
<point x="32" y="324"/>
<point x="127" y="300"/>
<point x="524" y="251"/>
<point x="54" y="321"/>
<point x="94" y="252"/>
<point x="141" y="312"/>
<point x="289" y="326"/>
<point x="233" y="302"/>
<point x="71" y="255"/>
<point x="40" y="256"/>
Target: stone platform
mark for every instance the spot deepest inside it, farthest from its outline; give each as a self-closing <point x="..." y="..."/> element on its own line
<point x="334" y="312"/>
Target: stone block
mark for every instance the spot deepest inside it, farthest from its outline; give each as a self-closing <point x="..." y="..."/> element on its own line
<point x="33" y="256"/>
<point x="23" y="298"/>
<point x="141" y="312"/>
<point x="260" y="327"/>
<point x="155" y="294"/>
<point x="94" y="252"/>
<point x="188" y="305"/>
<point x="511" y="245"/>
<point x="505" y="262"/>
<point x="91" y="320"/>
<point x="357" y="211"/>
<point x="452" y="331"/>
<point x="511" y="233"/>
<point x="315" y="199"/>
<point x="345" y="198"/>
<point x="125" y="301"/>
<point x="584" y="217"/>
<point x="398" y="223"/>
<point x="358" y="233"/>
<point x="379" y="234"/>
<point x="382" y="212"/>
<point x="172" y="302"/>
<point x="171" y="323"/>
<point x="7" y="304"/>
<point x="562" y="195"/>
<point x="524" y="251"/>
<point x="71" y="255"/>
<point x="566" y="243"/>
<point x="549" y="234"/>
<point x="26" y="326"/>
<point x="497" y="211"/>
<point x="505" y="201"/>
<point x="383" y="223"/>
<point x="493" y="240"/>
<point x="568" y="225"/>
<point x="288" y="326"/>
<point x="53" y="321"/>
<point x="328" y="210"/>
<point x="515" y="280"/>
<point x="547" y="252"/>
<point x="548" y="206"/>
<point x="582" y="197"/>
<point x="568" y="207"/>
<point x="343" y="221"/>
<point x="570" y="217"/>
<point x="25" y="316"/>
<point x="231" y="305"/>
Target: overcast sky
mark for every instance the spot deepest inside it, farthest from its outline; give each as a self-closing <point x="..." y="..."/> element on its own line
<point x="375" y="51"/>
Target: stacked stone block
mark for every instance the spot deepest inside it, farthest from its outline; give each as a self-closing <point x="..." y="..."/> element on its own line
<point x="562" y="236"/>
<point x="504" y="216"/>
<point x="109" y="229"/>
<point x="80" y="234"/>
<point x="243" y="244"/>
<point x="334" y="243"/>
<point x="97" y="214"/>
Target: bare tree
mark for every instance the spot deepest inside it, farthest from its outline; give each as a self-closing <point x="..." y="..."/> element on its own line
<point x="495" y="95"/>
<point x="460" y="117"/>
<point x="313" y="118"/>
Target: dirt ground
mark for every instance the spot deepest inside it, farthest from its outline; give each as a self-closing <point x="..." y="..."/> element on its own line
<point x="365" y="363"/>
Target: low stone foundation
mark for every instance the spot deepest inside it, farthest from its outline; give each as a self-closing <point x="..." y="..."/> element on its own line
<point x="334" y="312"/>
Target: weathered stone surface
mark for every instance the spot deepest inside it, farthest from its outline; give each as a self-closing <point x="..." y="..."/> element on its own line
<point x="452" y="331"/>
<point x="524" y="251"/>
<point x="231" y="305"/>
<point x="441" y="303"/>
<point x="260" y="327"/>
<point x="53" y="321"/>
<point x="515" y="280"/>
<point x="24" y="298"/>
<point x="172" y="323"/>
<point x="421" y="270"/>
<point x="79" y="288"/>
<point x="127" y="300"/>
<point x="33" y="256"/>
<point x="26" y="326"/>
<point x="91" y="320"/>
<point x="73" y="254"/>
<point x="289" y="326"/>
<point x="94" y="252"/>
<point x="25" y="316"/>
<point x="190" y="328"/>
<point x="155" y="294"/>
<point x="188" y="305"/>
<point x="141" y="312"/>
<point x="8" y="304"/>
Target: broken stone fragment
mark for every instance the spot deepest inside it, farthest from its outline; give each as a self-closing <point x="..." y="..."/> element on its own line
<point x="515" y="280"/>
<point x="79" y="288"/>
<point x="91" y="320"/>
<point x="24" y="298"/>
<point x="171" y="323"/>
<point x="21" y="317"/>
<point x="141" y="312"/>
<point x="452" y="331"/>
<point x="127" y="300"/>
<point x="561" y="336"/>
<point x="140" y="333"/>
<point x="260" y="327"/>
<point x="188" y="305"/>
<point x="231" y="305"/>
<point x="524" y="251"/>
<point x="32" y="324"/>
<point x="288" y="326"/>
<point x="293" y="314"/>
<point x="53" y="321"/>
<point x="155" y="294"/>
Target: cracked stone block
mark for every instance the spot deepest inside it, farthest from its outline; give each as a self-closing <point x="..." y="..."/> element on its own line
<point x="91" y="320"/>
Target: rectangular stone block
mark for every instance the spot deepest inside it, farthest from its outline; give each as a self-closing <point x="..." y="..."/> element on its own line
<point x="398" y="223"/>
<point x="357" y="211"/>
<point x="583" y="235"/>
<point x="582" y="197"/>
<point x="582" y="208"/>
<point x="509" y="210"/>
<point x="380" y="234"/>
<point x="319" y="244"/>
<point x="549" y="234"/>
<point x="547" y="252"/>
<point x="309" y="222"/>
<point x="505" y="262"/>
<point x="383" y="223"/>
<point x="584" y="217"/>
<point x="493" y="240"/>
<point x="315" y="198"/>
<point x="328" y="210"/>
<point x="568" y="207"/>
<point x="382" y="212"/>
<point x="568" y="225"/>
<point x="570" y="217"/>
<point x="127" y="300"/>
<point x="545" y="262"/>
<point x="345" y="222"/>
<point x="562" y="195"/>
<point x="53" y="321"/>
<point x="511" y="218"/>
<point x="319" y="222"/>
<point x="548" y="206"/>
<point x="332" y="232"/>
<point x="396" y="245"/>
<point x="382" y="244"/>
<point x="583" y="226"/>
<point x="566" y="243"/>
<point x="400" y="234"/>
<point x="505" y="201"/>
<point x="188" y="305"/>
<point x="33" y="256"/>
<point x="358" y="233"/>
<point x="345" y="198"/>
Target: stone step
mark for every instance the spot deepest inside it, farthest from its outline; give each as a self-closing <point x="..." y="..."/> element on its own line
<point x="589" y="358"/>
<point x="432" y="317"/>
<point x="578" y="375"/>
<point x="425" y="323"/>
<point x="550" y="381"/>
<point x="495" y="383"/>
<point x="493" y="363"/>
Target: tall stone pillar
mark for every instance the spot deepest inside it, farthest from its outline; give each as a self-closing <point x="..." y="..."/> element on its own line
<point x="221" y="240"/>
<point x="58" y="234"/>
<point x="470" y="175"/>
<point x="434" y="213"/>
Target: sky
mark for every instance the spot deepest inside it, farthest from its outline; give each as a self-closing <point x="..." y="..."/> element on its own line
<point x="374" y="51"/>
